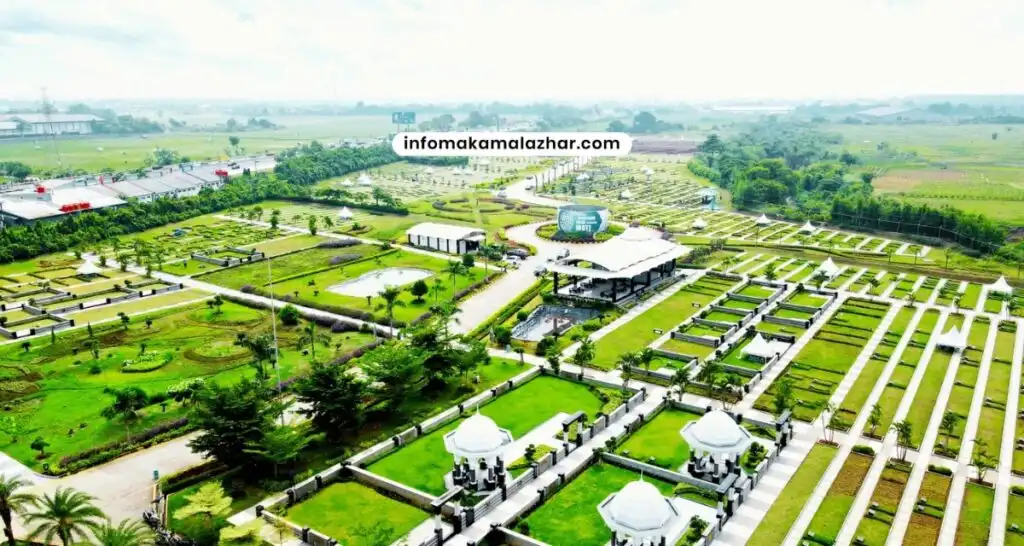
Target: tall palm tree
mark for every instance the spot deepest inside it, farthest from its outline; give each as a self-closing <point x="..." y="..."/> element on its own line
<point x="311" y="337"/>
<point x="13" y="501"/>
<point x="127" y="533"/>
<point x="904" y="430"/>
<point x="948" y="427"/>
<point x="454" y="270"/>
<point x="628" y="361"/>
<point x="68" y="516"/>
<point x="584" y="354"/>
<point x="682" y="380"/>
<point x="645" y="357"/>
<point x="390" y="296"/>
<point x="261" y="348"/>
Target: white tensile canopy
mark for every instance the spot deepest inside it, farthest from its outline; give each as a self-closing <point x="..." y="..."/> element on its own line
<point x="583" y="176"/>
<point x="829" y="268"/>
<point x="345" y="214"/>
<point x="625" y="194"/>
<point x="347" y="182"/>
<point x="953" y="339"/>
<point x="699" y="223"/>
<point x="763" y="220"/>
<point x="365" y="180"/>
<point x="1001" y="286"/>
<point x="759" y="347"/>
<point x="477" y="438"/>
<point x="429" y="170"/>
<point x="88" y="268"/>
<point x="639" y="511"/>
<point x="807" y="228"/>
<point x="717" y="434"/>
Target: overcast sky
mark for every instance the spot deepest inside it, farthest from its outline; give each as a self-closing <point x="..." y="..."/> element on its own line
<point x="518" y="50"/>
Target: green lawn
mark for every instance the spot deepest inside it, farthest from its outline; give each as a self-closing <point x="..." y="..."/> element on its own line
<point x="975" y="516"/>
<point x="997" y="390"/>
<point x="923" y="407"/>
<point x="132" y="307"/>
<point x="966" y="379"/>
<point x="1015" y="514"/>
<point x="819" y="367"/>
<point x="969" y="299"/>
<point x="571" y="516"/>
<point x="806" y="298"/>
<point x="828" y="520"/>
<point x="659" y="442"/>
<point x="924" y="525"/>
<point x="885" y="500"/>
<point x="858" y="395"/>
<point x="786" y="509"/>
<point x="288" y="244"/>
<point x="53" y="388"/>
<point x="344" y="511"/>
<point x="422" y="463"/>
<point x="639" y="332"/>
<point x="286" y="266"/>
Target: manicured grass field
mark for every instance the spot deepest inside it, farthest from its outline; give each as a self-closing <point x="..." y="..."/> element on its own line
<point x="997" y="390"/>
<point x="135" y="306"/>
<point x="639" y="332"/>
<point x="854" y="401"/>
<point x="923" y="407"/>
<point x="887" y="495"/>
<point x="344" y="510"/>
<point x="924" y="526"/>
<point x="819" y="367"/>
<point x="56" y="387"/>
<point x="966" y="379"/>
<point x="571" y="517"/>
<point x="904" y="371"/>
<point x="288" y="244"/>
<point x="975" y="516"/>
<point x="1015" y="514"/>
<point x="786" y="509"/>
<point x="756" y="291"/>
<point x="255" y="274"/>
<point x="832" y="512"/>
<point x="659" y="440"/>
<point x="808" y="299"/>
<point x="422" y="463"/>
<point x="969" y="299"/>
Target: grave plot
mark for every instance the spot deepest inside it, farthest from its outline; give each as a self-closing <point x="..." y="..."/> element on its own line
<point x="532" y="413"/>
<point x="842" y="278"/>
<point x="658" y="441"/>
<point x="927" y="289"/>
<point x="927" y="394"/>
<point x="905" y="287"/>
<point x="1015" y="521"/>
<point x="969" y="298"/>
<point x="993" y="304"/>
<point x="785" y="510"/>
<point x="819" y="367"/>
<point x="747" y="268"/>
<point x="909" y="359"/>
<point x="884" y="283"/>
<point x="876" y="522"/>
<point x="975" y="522"/>
<point x="828" y="520"/>
<point x="854" y="401"/>
<point x="925" y="522"/>
<point x="993" y="412"/>
<point x="164" y="244"/>
<point x="869" y="278"/>
<point x="643" y="330"/>
<point x="963" y="389"/>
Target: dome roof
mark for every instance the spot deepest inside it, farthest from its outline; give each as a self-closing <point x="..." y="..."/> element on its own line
<point x="88" y="268"/>
<point x="699" y="223"/>
<point x="638" y="510"/>
<point x="477" y="436"/>
<point x="716" y="432"/>
<point x="345" y="213"/>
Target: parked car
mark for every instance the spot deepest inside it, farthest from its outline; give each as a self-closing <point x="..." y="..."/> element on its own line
<point x="541" y="270"/>
<point x="520" y="253"/>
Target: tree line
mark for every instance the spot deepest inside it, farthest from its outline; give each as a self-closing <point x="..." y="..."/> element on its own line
<point x="310" y="163"/>
<point x="788" y="169"/>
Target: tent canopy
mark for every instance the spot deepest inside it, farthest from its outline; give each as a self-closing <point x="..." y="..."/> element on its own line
<point x="88" y="268"/>
<point x="829" y="268"/>
<point x="953" y="339"/>
<point x="763" y="220"/>
<point x="759" y="347"/>
<point x="345" y="214"/>
<point x="1001" y="286"/>
<point x="807" y="227"/>
<point x="699" y="223"/>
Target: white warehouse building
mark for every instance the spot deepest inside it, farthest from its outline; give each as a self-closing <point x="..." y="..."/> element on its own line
<point x="446" y="237"/>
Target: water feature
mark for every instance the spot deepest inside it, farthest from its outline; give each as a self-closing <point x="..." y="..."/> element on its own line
<point x="544" y="319"/>
<point x="372" y="283"/>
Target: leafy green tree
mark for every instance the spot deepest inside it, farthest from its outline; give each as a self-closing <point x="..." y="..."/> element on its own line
<point x="390" y="296"/>
<point x="249" y="534"/>
<point x="289" y="315"/>
<point x="126" y="406"/>
<point x="127" y="533"/>
<point x="397" y="368"/>
<point x="311" y="337"/>
<point x="585" y="353"/>
<point x="332" y="398"/>
<point x="40" y="445"/>
<point x="948" y="427"/>
<point x="209" y="502"/>
<point x="67" y="516"/>
<point x="875" y="418"/>
<point x="553" y="357"/>
<point x="782" y="399"/>
<point x="454" y="270"/>
<point x="13" y="500"/>
<point x="419" y="289"/>
<point x="234" y="141"/>
<point x="232" y="418"/>
<point x="627" y="361"/>
<point x="681" y="380"/>
<point x="261" y="347"/>
<point x="280" y="446"/>
<point x="471" y="357"/>
<point x="467" y="261"/>
<point x="904" y="432"/>
<point x="312" y="225"/>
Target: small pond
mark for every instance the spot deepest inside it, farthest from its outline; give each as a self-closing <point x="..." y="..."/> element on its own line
<point x="372" y="283"/>
<point x="541" y="321"/>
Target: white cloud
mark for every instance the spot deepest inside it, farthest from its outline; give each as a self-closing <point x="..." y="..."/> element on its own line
<point x="451" y="50"/>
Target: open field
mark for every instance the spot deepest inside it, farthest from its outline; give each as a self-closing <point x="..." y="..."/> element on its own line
<point x="659" y="440"/>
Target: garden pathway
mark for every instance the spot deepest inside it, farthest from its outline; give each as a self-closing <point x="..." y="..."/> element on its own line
<point x="947" y="533"/>
<point x="931" y="434"/>
<point x="1009" y="440"/>
<point x="867" y="488"/>
<point x="847" y="441"/>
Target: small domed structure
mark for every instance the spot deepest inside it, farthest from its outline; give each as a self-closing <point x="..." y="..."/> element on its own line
<point x="478" y="437"/>
<point x="716" y="433"/>
<point x="699" y="223"/>
<point x="638" y="511"/>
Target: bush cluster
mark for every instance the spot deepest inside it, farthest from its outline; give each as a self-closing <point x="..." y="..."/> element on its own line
<point x="107" y="452"/>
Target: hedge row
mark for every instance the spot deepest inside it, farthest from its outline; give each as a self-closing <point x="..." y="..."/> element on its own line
<point x="107" y="452"/>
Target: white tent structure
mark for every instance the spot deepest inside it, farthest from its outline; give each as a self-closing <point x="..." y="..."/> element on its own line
<point x="345" y="214"/>
<point x="829" y="268"/>
<point x="88" y="269"/>
<point x="760" y="348"/>
<point x="807" y="228"/>
<point x="429" y="170"/>
<point x="763" y="220"/>
<point x="639" y="511"/>
<point x="347" y="182"/>
<point x="583" y="177"/>
<point x="364" y="180"/>
<point x="699" y="223"/>
<point x="625" y="194"/>
<point x="477" y="438"/>
<point x="953" y="339"/>
<point x="1001" y="286"/>
<point x="716" y="433"/>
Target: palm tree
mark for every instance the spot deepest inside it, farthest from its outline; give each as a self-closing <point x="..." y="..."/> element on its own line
<point x="904" y="430"/>
<point x="436" y="288"/>
<point x="310" y="337"/>
<point x="827" y="408"/>
<point x="682" y="380"/>
<point x="454" y="270"/>
<point x="127" y="533"/>
<point x="12" y="501"/>
<point x="584" y="354"/>
<point x="67" y="516"/>
<point x="627" y="361"/>
<point x="645" y="357"/>
<point x="390" y="296"/>
<point x="875" y="418"/>
<point x="948" y="426"/>
<point x="708" y="371"/>
<point x="261" y="348"/>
